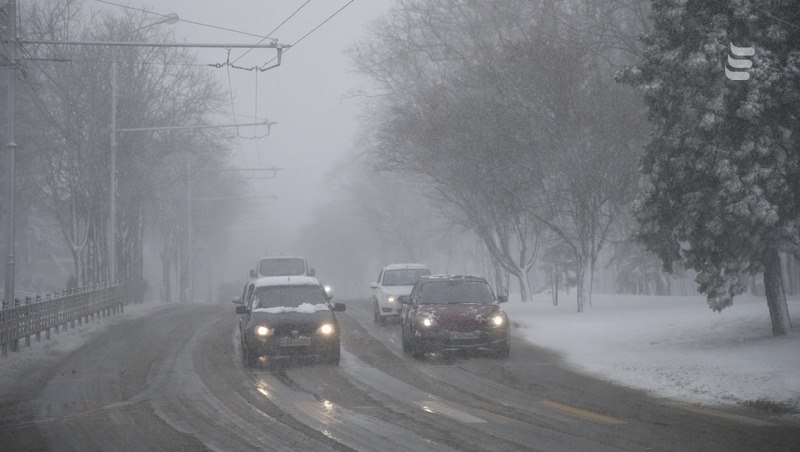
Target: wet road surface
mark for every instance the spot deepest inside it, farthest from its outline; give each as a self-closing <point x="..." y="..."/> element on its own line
<point x="173" y="380"/>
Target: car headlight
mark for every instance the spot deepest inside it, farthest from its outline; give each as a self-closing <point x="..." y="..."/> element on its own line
<point x="328" y="289"/>
<point x="390" y="298"/>
<point x="428" y="322"/>
<point x="262" y="331"/>
<point x="498" y="320"/>
<point x="326" y="329"/>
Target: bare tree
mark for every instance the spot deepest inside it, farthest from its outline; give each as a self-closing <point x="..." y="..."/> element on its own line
<point x="72" y="87"/>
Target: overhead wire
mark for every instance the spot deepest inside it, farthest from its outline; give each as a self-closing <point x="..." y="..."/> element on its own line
<point x="311" y="31"/>
<point x="273" y="31"/>
<point x="183" y="20"/>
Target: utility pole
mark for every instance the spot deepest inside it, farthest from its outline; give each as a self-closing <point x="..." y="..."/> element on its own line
<point x="112" y="223"/>
<point x="111" y="233"/>
<point x="112" y="210"/>
<point x="11" y="74"/>
<point x="190" y="289"/>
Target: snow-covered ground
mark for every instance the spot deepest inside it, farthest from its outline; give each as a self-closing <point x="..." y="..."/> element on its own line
<point x="17" y="366"/>
<point x="673" y="347"/>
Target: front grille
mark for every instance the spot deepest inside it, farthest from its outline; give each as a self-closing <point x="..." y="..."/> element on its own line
<point x="302" y="330"/>
<point x="462" y="325"/>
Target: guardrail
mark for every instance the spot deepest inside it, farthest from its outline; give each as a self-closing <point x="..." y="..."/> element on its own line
<point x="52" y="312"/>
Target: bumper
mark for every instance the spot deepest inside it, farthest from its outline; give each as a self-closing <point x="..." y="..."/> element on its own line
<point x="271" y="347"/>
<point x="440" y="341"/>
<point x="387" y="309"/>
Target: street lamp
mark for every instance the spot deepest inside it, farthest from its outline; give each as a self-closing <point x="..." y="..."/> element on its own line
<point x="169" y="19"/>
<point x="11" y="71"/>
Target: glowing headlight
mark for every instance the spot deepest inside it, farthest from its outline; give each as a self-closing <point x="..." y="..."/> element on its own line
<point x="328" y="289"/>
<point x="326" y="329"/>
<point x="262" y="331"/>
<point x="428" y="322"/>
<point x="390" y="298"/>
<point x="498" y="320"/>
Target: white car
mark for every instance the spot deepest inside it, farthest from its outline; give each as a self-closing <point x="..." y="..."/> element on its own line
<point x="394" y="281"/>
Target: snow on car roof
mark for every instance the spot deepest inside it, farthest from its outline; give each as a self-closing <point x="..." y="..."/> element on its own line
<point x="307" y="308"/>
<point x="454" y="277"/>
<point x="282" y="256"/>
<point x="287" y="281"/>
<point x="405" y="266"/>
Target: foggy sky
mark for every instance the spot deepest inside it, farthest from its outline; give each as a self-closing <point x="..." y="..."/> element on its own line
<point x="305" y="95"/>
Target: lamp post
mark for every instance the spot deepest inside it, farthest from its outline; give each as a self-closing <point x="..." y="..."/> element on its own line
<point x="111" y="229"/>
<point x="11" y="71"/>
<point x="112" y="208"/>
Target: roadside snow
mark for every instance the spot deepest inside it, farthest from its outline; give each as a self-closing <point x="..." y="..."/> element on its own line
<point x="19" y="366"/>
<point x="307" y="308"/>
<point x="673" y="347"/>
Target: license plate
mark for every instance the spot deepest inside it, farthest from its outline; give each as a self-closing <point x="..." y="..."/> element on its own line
<point x="295" y="341"/>
<point x="462" y="336"/>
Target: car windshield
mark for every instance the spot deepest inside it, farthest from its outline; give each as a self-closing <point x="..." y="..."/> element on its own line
<point x="404" y="277"/>
<point x="450" y="292"/>
<point x="288" y="296"/>
<point x="290" y="266"/>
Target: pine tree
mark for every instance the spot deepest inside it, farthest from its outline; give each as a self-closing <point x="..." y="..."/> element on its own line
<point x="722" y="167"/>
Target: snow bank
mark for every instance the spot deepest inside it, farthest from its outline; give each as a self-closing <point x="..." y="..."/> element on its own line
<point x="307" y="308"/>
<point x="19" y="366"/>
<point x="674" y="347"/>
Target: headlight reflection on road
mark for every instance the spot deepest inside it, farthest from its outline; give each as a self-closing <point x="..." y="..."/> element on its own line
<point x="263" y="388"/>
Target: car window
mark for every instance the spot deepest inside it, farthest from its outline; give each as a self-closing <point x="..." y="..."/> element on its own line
<point x="249" y="298"/>
<point x="449" y="292"/>
<point x="403" y="277"/>
<point x="288" y="296"/>
<point x="379" y="277"/>
<point x="415" y="290"/>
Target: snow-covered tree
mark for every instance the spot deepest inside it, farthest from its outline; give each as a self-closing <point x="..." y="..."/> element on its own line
<point x="722" y="192"/>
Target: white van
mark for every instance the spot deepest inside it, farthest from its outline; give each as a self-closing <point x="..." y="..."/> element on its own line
<point x="281" y="266"/>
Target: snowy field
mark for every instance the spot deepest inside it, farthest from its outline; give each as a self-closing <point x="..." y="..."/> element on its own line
<point x="672" y="347"/>
<point x="17" y="365"/>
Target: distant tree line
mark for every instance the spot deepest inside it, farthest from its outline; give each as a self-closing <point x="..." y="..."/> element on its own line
<point x="557" y="131"/>
<point x="63" y="166"/>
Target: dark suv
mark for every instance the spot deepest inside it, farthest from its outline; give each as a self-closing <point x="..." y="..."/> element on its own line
<point x="288" y="316"/>
<point x="458" y="312"/>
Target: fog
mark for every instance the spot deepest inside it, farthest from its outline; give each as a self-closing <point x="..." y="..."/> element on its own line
<point x="308" y="96"/>
<point x="468" y="225"/>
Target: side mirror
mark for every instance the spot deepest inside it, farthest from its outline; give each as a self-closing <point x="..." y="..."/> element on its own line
<point x="339" y="307"/>
<point x="404" y="299"/>
<point x="252" y="274"/>
<point x="502" y="298"/>
<point x="373" y="285"/>
<point x="311" y="272"/>
<point x="237" y="300"/>
<point x="242" y="310"/>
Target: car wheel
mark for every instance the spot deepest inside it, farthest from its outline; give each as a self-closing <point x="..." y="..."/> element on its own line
<point x="376" y="314"/>
<point x="404" y="340"/>
<point x="333" y="357"/>
<point x="504" y="351"/>
<point x="417" y="348"/>
<point x="247" y="358"/>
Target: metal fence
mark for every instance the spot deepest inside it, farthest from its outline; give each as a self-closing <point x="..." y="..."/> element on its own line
<point x="35" y="315"/>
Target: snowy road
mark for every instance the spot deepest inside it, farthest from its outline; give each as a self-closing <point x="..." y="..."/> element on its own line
<point x="130" y="389"/>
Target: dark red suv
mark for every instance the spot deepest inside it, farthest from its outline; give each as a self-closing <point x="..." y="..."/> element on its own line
<point x="457" y="312"/>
